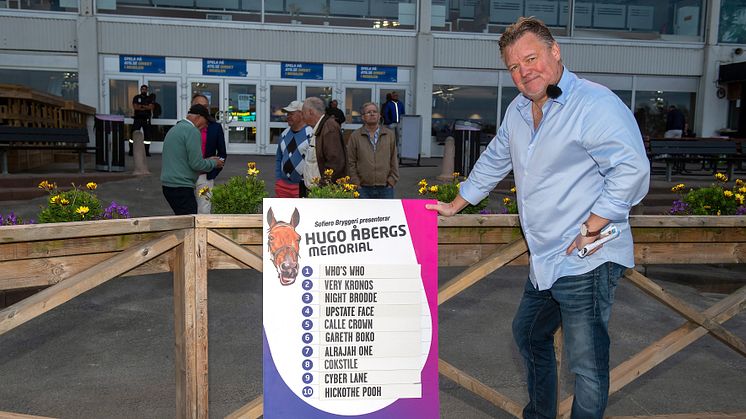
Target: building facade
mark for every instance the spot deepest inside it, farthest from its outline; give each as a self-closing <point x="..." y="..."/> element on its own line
<point x="252" y="57"/>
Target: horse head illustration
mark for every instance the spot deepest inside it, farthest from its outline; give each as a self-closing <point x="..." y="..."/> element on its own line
<point x="283" y="245"/>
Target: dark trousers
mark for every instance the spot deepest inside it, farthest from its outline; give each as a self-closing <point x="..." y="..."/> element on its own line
<point x="181" y="200"/>
<point x="582" y="304"/>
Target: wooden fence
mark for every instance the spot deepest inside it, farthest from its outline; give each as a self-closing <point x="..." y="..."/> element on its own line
<point x="72" y="258"/>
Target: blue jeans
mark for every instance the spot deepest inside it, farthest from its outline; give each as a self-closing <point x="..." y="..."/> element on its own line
<point x="376" y="192"/>
<point x="582" y="304"/>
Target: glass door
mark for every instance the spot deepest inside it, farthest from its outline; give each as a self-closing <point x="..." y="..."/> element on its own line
<point x="239" y="117"/>
<point x="233" y="103"/>
<point x="280" y="96"/>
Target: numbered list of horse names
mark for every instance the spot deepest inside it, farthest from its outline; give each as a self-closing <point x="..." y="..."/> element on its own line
<point x="362" y="331"/>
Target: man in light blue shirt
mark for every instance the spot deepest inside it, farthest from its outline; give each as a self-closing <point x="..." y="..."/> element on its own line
<point x="579" y="164"/>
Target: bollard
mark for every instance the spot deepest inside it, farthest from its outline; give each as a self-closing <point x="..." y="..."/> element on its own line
<point x="138" y="152"/>
<point x="449" y="153"/>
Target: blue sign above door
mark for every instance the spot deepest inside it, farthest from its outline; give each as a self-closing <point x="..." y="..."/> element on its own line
<point x="377" y="73"/>
<point x="225" y="68"/>
<point x="142" y="64"/>
<point x="305" y="71"/>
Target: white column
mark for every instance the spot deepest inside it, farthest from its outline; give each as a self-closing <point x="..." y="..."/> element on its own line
<point x="711" y="112"/>
<point x="423" y="74"/>
<point x="88" y="67"/>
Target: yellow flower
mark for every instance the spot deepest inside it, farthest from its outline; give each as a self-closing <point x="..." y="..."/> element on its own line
<point x="512" y="190"/>
<point x="506" y="201"/>
<point x="251" y="164"/>
<point x="739" y="198"/>
<point x="82" y="210"/>
<point x="422" y="190"/>
<point x="252" y="172"/>
<point x="328" y="172"/>
<point x="356" y="194"/>
<point x="739" y="182"/>
<point x="91" y="185"/>
<point x="422" y="183"/>
<point x="55" y="199"/>
<point x="316" y="180"/>
<point x="204" y="191"/>
<point x="727" y="194"/>
<point x="742" y="189"/>
<point x="721" y="177"/>
<point x="678" y="187"/>
<point x="47" y="186"/>
<point x="456" y="174"/>
<point x="64" y="201"/>
<point x="434" y="188"/>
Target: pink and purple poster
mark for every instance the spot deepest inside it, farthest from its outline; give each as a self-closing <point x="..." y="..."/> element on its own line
<point x="350" y="309"/>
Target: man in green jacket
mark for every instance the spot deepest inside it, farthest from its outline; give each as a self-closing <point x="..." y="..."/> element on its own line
<point x="182" y="160"/>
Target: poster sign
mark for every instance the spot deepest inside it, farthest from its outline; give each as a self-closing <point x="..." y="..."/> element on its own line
<point x="305" y="71"/>
<point x="142" y="64"/>
<point x="220" y="67"/>
<point x="379" y="73"/>
<point x="350" y="309"/>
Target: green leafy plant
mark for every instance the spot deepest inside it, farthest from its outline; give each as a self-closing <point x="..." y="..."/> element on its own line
<point x="326" y="188"/>
<point x="240" y="195"/>
<point x="76" y="204"/>
<point x="447" y="192"/>
<point x="717" y="199"/>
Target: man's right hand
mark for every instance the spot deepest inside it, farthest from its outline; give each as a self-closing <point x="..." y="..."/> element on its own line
<point x="218" y="162"/>
<point x="448" y="209"/>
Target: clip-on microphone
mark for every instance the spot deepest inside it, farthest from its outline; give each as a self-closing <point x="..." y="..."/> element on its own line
<point x="553" y="91"/>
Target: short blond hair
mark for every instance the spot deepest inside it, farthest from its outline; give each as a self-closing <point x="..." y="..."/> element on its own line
<point x="523" y="26"/>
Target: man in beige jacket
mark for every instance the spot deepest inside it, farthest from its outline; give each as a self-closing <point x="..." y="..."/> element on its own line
<point x="372" y="161"/>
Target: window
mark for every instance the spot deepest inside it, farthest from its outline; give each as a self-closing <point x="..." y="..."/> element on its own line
<point x="733" y="21"/>
<point x="279" y="97"/>
<point x="165" y="95"/>
<point x="52" y="5"/>
<point x="651" y="107"/>
<point x="58" y="83"/>
<point x="121" y="93"/>
<point x="354" y="99"/>
<point x="473" y="103"/>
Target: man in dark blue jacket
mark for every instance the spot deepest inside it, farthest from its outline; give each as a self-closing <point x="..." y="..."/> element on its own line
<point x="213" y="144"/>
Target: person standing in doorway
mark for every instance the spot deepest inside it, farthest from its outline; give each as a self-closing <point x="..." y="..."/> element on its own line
<point x="213" y="144"/>
<point x="143" y="106"/>
<point x="291" y="152"/>
<point x="579" y="165"/>
<point x="372" y="161"/>
<point x="393" y="110"/>
<point x="333" y="110"/>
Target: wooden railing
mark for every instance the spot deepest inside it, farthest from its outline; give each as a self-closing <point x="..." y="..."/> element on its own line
<point x="75" y="257"/>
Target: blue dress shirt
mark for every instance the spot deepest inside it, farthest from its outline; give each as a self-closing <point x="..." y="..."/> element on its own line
<point x="586" y="156"/>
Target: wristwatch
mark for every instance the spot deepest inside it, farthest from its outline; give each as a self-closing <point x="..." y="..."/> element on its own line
<point x="586" y="233"/>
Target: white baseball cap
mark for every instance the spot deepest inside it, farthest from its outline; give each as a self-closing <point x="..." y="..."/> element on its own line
<point x="294" y="106"/>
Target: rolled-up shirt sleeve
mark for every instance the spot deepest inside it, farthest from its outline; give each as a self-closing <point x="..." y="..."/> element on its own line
<point x="491" y="167"/>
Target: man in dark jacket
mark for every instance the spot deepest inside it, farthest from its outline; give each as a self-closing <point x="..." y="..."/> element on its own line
<point x="326" y="141"/>
<point x="333" y="110"/>
<point x="213" y="144"/>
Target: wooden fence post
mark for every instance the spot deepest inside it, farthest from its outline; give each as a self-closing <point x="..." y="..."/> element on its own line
<point x="190" y="325"/>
